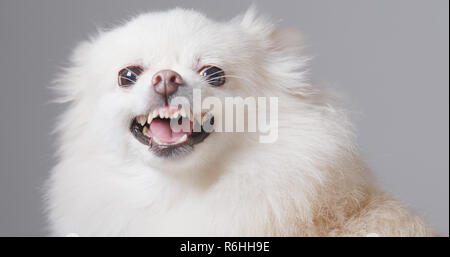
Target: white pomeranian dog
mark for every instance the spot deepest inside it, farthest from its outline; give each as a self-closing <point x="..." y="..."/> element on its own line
<point x="123" y="170"/>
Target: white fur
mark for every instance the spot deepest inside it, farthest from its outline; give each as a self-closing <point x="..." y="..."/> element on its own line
<point x="311" y="182"/>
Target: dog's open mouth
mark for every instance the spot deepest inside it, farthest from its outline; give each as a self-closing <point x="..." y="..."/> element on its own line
<point x="170" y="131"/>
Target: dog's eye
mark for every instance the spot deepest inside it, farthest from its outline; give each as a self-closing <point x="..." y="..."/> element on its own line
<point x="129" y="75"/>
<point x="215" y="76"/>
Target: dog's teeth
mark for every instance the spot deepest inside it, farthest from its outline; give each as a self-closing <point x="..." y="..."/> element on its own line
<point x="174" y="114"/>
<point x="158" y="142"/>
<point x="162" y="114"/>
<point x="182" y="139"/>
<point x="166" y="114"/>
<point x="150" y="118"/>
<point x="141" y="119"/>
<point x="145" y="132"/>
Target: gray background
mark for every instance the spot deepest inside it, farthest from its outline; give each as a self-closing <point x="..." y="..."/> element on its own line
<point x="389" y="58"/>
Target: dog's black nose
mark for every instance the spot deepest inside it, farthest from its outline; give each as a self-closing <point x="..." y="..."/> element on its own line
<point x="166" y="82"/>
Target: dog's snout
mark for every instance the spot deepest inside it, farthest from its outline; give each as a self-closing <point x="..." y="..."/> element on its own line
<point x="166" y="82"/>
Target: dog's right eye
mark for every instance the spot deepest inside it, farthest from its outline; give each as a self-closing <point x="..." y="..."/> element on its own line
<point x="129" y="75"/>
<point x="215" y="76"/>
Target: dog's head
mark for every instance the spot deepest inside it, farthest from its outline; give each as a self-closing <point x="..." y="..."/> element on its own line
<point x="133" y="88"/>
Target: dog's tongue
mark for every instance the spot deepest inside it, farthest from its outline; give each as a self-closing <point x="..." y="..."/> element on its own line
<point x="161" y="129"/>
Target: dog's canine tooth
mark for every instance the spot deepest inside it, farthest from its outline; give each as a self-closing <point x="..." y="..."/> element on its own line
<point x="150" y="118"/>
<point x="141" y="119"/>
<point x="145" y="132"/>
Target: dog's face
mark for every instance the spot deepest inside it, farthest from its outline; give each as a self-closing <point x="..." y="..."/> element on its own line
<point x="137" y="84"/>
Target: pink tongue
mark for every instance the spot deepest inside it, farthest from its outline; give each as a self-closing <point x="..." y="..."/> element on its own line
<point x="161" y="130"/>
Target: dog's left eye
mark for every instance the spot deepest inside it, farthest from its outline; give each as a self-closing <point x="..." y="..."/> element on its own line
<point x="129" y="75"/>
<point x="215" y="76"/>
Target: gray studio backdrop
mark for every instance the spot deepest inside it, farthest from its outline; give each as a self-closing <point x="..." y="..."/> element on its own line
<point x="388" y="58"/>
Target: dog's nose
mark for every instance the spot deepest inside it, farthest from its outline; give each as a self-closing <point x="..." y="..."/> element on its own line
<point x="166" y="82"/>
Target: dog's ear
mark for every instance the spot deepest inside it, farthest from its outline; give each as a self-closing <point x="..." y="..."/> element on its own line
<point x="257" y="26"/>
<point x="264" y="30"/>
<point x="286" y="39"/>
<point x="283" y="51"/>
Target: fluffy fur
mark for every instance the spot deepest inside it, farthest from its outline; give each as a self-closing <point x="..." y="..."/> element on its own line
<point x="310" y="182"/>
